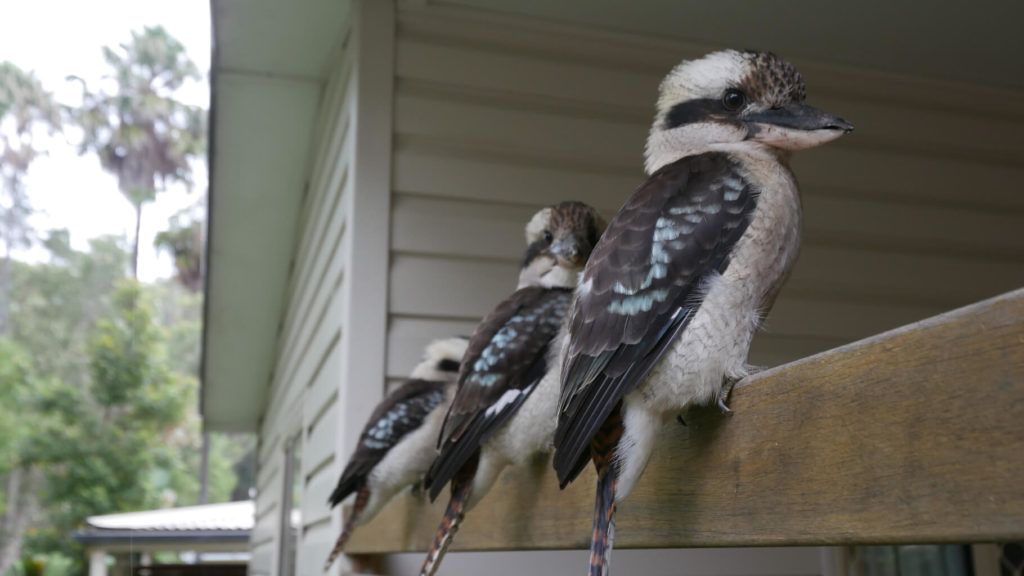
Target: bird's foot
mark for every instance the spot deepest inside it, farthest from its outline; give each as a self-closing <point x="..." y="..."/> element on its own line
<point x="721" y="406"/>
<point x="727" y="386"/>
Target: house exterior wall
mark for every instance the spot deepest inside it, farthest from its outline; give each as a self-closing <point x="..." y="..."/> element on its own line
<point x="308" y="367"/>
<point x="487" y="119"/>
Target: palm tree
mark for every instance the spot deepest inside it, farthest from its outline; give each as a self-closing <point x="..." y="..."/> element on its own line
<point x="141" y="133"/>
<point x="24" y="106"/>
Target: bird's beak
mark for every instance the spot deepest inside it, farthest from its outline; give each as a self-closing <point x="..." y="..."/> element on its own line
<point x="795" y="127"/>
<point x="567" y="252"/>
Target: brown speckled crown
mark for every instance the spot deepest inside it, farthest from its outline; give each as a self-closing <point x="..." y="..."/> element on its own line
<point x="576" y="218"/>
<point x="772" y="80"/>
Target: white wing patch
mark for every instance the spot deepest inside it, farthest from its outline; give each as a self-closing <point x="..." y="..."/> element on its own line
<point x="506" y="400"/>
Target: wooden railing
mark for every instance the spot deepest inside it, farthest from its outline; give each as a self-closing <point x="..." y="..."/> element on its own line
<point x="912" y="436"/>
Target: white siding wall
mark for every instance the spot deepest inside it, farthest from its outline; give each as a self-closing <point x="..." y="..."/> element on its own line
<point x="308" y="367"/>
<point x="916" y="212"/>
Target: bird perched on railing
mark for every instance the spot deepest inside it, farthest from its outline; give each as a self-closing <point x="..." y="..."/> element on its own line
<point x="396" y="447"/>
<point x="688" y="268"/>
<point x="504" y="409"/>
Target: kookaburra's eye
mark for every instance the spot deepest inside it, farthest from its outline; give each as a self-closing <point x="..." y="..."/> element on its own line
<point x="548" y="237"/>
<point x="733" y="100"/>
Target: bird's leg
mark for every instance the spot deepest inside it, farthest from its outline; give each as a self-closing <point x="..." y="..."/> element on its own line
<point x="727" y="384"/>
<point x="418" y="489"/>
<point x="362" y="498"/>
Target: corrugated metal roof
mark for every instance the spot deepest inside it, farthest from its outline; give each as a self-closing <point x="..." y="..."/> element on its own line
<point x="228" y="516"/>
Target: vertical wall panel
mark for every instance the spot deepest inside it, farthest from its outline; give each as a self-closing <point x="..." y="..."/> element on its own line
<point x="308" y="365"/>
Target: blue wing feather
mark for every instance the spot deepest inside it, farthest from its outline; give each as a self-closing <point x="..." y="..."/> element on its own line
<point x="641" y="288"/>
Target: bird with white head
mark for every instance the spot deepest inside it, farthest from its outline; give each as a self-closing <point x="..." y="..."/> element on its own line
<point x="504" y="410"/>
<point x="687" y="270"/>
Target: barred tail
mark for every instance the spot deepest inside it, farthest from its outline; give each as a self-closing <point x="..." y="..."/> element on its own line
<point x="462" y="487"/>
<point x="604" y="525"/>
<point x="362" y="497"/>
<point x="602" y="451"/>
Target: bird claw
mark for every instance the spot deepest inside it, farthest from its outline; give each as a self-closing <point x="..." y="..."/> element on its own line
<point x="721" y="406"/>
<point x="418" y="489"/>
<point x="726" y="392"/>
<point x="679" y="418"/>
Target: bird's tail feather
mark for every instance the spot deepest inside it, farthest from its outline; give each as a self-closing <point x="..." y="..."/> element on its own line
<point x="604" y="524"/>
<point x="602" y="451"/>
<point x="453" y="515"/>
<point x="362" y="497"/>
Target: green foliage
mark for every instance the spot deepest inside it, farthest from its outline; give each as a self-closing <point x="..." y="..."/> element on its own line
<point x="113" y="425"/>
<point x="99" y="375"/>
<point x="183" y="239"/>
<point x="23" y="97"/>
<point x="139" y="131"/>
<point x="24" y="105"/>
<point x="50" y="563"/>
<point x="56" y="564"/>
<point x="31" y="567"/>
<point x="56" y="306"/>
<point x="16" y="381"/>
<point x="58" y="242"/>
<point x="101" y="446"/>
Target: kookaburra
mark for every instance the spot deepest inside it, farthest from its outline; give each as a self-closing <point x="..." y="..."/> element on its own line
<point x="504" y="408"/>
<point x="688" y="268"/>
<point x="396" y="446"/>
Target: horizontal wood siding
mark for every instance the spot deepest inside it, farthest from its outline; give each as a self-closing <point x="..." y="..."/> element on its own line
<point x="307" y="374"/>
<point x="918" y="211"/>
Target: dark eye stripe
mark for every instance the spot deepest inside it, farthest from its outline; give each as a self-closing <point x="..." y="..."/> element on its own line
<point x="693" y="111"/>
<point x="533" y="250"/>
<point x="448" y="365"/>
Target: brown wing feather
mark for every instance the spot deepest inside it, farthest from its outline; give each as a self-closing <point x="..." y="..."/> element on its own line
<point x="640" y="288"/>
<point x="505" y="360"/>
<point x="501" y="350"/>
<point x="398" y="413"/>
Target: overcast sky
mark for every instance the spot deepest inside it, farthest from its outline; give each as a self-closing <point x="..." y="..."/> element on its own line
<point x="57" y="39"/>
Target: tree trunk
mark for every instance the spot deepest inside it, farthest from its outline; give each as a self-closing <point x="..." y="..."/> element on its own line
<point x="5" y="282"/>
<point x="5" y="290"/>
<point x="135" y="245"/>
<point x="15" y="520"/>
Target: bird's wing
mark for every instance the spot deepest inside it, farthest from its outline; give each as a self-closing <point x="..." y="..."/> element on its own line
<point x="641" y="286"/>
<point x="504" y="361"/>
<point x="398" y="414"/>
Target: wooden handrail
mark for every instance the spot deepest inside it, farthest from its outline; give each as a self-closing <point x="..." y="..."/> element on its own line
<point x="911" y="436"/>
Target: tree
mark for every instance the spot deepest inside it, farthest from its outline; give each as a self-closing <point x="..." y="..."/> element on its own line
<point x="16" y="382"/>
<point x="108" y="447"/>
<point x="57" y="305"/>
<point x="24" y="106"/>
<point x="53" y="312"/>
<point x="184" y="240"/>
<point x="141" y="133"/>
<point x="91" y="346"/>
